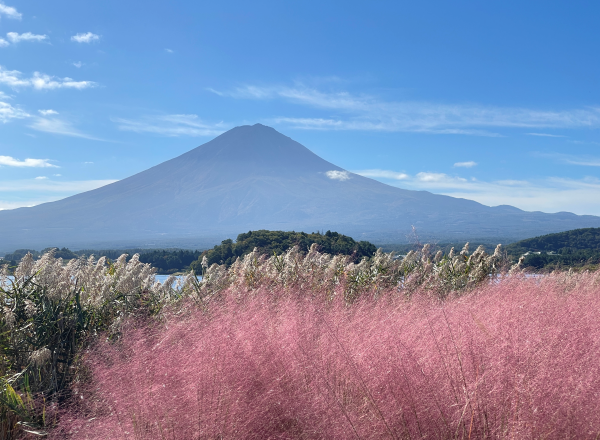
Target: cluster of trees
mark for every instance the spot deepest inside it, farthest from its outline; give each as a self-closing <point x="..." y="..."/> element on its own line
<point x="576" y="239"/>
<point x="166" y="261"/>
<point x="278" y="242"/>
<point x="565" y="258"/>
<point x="576" y="248"/>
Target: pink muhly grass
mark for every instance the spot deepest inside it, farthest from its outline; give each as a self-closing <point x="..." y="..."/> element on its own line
<point x="519" y="359"/>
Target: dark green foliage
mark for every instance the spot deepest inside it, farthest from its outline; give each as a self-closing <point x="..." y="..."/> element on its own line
<point x="20" y="253"/>
<point x="170" y="261"/>
<point x="581" y="239"/>
<point x="404" y="249"/>
<point x="166" y="261"/>
<point x="277" y="242"/>
<point x="576" y="248"/>
<point x="565" y="258"/>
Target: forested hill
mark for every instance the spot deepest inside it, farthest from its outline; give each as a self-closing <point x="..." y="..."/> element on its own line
<point x="576" y="239"/>
<point x="578" y="248"/>
<point x="277" y="242"/>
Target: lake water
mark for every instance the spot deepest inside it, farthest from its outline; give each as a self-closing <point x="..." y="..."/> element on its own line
<point x="162" y="278"/>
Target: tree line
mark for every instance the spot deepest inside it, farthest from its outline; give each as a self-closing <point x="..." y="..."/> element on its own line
<point x="168" y="261"/>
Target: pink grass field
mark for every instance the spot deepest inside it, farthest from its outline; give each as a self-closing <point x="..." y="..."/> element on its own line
<point x="518" y="360"/>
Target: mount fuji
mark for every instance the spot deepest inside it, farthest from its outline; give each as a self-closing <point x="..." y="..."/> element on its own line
<point x="253" y="177"/>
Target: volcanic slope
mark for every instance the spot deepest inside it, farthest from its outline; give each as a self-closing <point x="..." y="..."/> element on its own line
<point x="253" y="177"/>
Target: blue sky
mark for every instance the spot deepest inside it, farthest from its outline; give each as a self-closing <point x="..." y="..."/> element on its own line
<point x="493" y="101"/>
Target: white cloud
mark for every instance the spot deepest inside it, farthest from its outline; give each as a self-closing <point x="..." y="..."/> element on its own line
<point x="439" y="179"/>
<point x="29" y="163"/>
<point x="5" y="204"/>
<point x="60" y="126"/>
<point x="15" y="37"/>
<point x="48" y="112"/>
<point x="469" y="164"/>
<point x="78" y="64"/>
<point x="172" y="126"/>
<point x="584" y="142"/>
<point x="169" y="50"/>
<point x="338" y="175"/>
<point x="40" y="81"/>
<point x="382" y="174"/>
<point x="8" y="112"/>
<point x="579" y="160"/>
<point x="366" y="112"/>
<point x="588" y="162"/>
<point x="41" y="178"/>
<point x="570" y="159"/>
<point x="57" y="175"/>
<point x="10" y="12"/>
<point x="548" y="195"/>
<point x="546" y="135"/>
<point x="3" y="42"/>
<point x="52" y="185"/>
<point x="32" y="192"/>
<point x="87" y="37"/>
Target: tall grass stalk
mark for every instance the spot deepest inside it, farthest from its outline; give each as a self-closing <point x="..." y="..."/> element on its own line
<point x="513" y="359"/>
<point x="49" y="312"/>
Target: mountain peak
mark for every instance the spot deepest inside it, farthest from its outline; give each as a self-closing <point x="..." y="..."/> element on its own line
<point x="258" y="146"/>
<point x="253" y="177"/>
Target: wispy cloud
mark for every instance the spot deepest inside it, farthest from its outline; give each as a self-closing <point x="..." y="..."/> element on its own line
<point x="31" y="192"/>
<point x="52" y="185"/>
<point x="571" y="159"/>
<point x="583" y="142"/>
<point x="8" y="112"/>
<point x="546" y="135"/>
<point x="86" y="37"/>
<point x="10" y="12"/>
<point x="78" y="64"/>
<point x="439" y="179"/>
<point x="61" y="127"/>
<point x="588" y="162"/>
<point x="48" y="112"/>
<point x="368" y="112"/>
<point x="8" y="204"/>
<point x="548" y="195"/>
<point x="169" y="50"/>
<point x="172" y="126"/>
<point x="41" y="81"/>
<point x="469" y="164"/>
<point x="382" y="174"/>
<point x="15" y="37"/>
<point x="41" y="178"/>
<point x="27" y="163"/>
<point x="369" y="125"/>
<point x="3" y="42"/>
